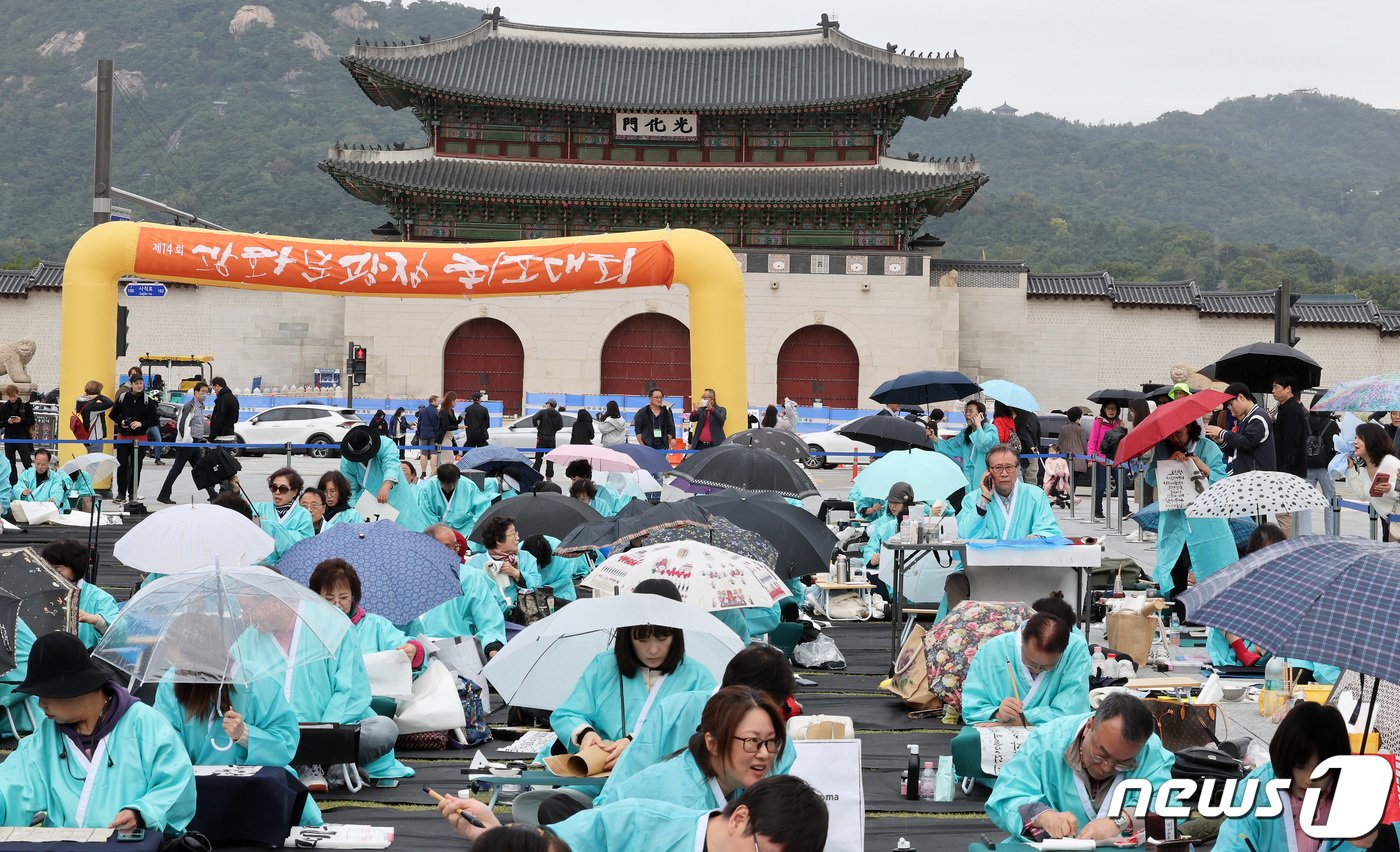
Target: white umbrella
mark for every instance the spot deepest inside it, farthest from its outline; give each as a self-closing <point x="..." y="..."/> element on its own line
<point x="189" y="537"/>
<point x="539" y="667"/>
<point x="1258" y="492"/>
<point x="637" y="484"/>
<point x="708" y="577"/>
<point x="98" y="466"/>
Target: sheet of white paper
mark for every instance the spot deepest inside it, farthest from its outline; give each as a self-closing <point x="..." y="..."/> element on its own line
<point x="480" y="761"/>
<point x="372" y="510"/>
<point x="462" y="655"/>
<point x="77" y="518"/>
<point x="226" y="771"/>
<point x="531" y="742"/>
<point x="999" y="745"/>
<point x="335" y="836"/>
<point x="390" y="674"/>
<point x="54" y="835"/>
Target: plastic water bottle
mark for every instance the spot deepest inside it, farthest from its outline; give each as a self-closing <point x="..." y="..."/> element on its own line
<point x="1174" y="635"/>
<point x="1118" y="584"/>
<point x="1273" y="694"/>
<point x="1097" y="661"/>
<point x="928" y="779"/>
<point x="1110" y="666"/>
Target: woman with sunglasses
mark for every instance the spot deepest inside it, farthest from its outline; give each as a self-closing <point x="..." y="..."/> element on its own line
<point x="613" y="697"/>
<point x="223" y="724"/>
<point x="741" y="736"/>
<point x="1186" y="546"/>
<point x="283" y="518"/>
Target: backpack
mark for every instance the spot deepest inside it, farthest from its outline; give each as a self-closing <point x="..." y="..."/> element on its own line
<point x="1014" y="442"/>
<point x="77" y="423"/>
<point x="1108" y="444"/>
<point x="1320" y="449"/>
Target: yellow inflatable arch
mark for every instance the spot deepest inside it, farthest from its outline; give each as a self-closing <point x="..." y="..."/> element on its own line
<point x="694" y="259"/>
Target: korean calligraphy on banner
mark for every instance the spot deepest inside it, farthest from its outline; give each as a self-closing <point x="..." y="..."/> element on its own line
<point x="656" y="125"/>
<point x="399" y="269"/>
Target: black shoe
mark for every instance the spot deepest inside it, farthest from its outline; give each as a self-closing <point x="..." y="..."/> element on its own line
<point x="159" y="463"/>
<point x="166" y="500"/>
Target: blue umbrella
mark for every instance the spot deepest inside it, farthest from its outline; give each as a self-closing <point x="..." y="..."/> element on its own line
<point x="650" y="460"/>
<point x="933" y="476"/>
<point x="403" y="573"/>
<point x="1148" y="518"/>
<point x="1325" y="599"/>
<point x="1010" y="394"/>
<point x="478" y="456"/>
<point x="925" y="386"/>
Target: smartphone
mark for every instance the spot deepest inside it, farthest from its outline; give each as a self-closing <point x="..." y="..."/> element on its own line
<point x="136" y="835"/>
<point x="986" y="480"/>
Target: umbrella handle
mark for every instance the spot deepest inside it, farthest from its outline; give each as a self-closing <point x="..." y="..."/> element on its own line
<point x="215" y="743"/>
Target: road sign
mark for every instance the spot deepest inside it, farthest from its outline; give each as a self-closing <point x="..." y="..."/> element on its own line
<point x="151" y="289"/>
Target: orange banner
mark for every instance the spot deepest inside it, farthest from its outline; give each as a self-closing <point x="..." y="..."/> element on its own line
<point x="399" y="269"/>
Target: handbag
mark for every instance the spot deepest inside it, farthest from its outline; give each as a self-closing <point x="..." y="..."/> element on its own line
<point x="435" y="705"/>
<point x="216" y="465"/>
<point x="1202" y="763"/>
<point x="910" y="680"/>
<point x="77" y="423"/>
<point x="1183" y="726"/>
<point x="532" y="605"/>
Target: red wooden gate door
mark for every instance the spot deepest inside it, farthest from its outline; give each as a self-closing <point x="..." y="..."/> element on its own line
<point x="645" y="351"/>
<point x="819" y="362"/>
<point x="485" y="354"/>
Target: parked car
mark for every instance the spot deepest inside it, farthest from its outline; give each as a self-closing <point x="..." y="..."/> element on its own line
<point x="1050" y="429"/>
<point x="830" y="442"/>
<point x="322" y="425"/>
<point x="521" y="434"/>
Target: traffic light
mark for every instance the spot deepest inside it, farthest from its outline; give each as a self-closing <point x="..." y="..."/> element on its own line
<point x="1283" y="315"/>
<point x="357" y="363"/>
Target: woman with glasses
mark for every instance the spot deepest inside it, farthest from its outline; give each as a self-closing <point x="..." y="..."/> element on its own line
<point x="96" y="608"/>
<point x="220" y="723"/>
<point x="741" y="735"/>
<point x="1190" y="546"/>
<point x="282" y="517"/>
<point x="336" y="489"/>
<point x="969" y="447"/>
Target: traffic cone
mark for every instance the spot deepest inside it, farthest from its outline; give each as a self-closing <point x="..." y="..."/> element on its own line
<point x="855" y="467"/>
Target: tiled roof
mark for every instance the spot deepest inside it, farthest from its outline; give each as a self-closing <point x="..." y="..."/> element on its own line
<point x="1165" y="294"/>
<point x="946" y="264"/>
<point x="1087" y="285"/>
<point x="14" y="282"/>
<point x="1242" y="303"/>
<point x="1389" y="321"/>
<point x="504" y="62"/>
<point x="48" y="275"/>
<point x="1330" y="312"/>
<point x="374" y="175"/>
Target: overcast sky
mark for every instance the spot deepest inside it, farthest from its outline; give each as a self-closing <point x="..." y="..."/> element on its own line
<point x="1091" y="60"/>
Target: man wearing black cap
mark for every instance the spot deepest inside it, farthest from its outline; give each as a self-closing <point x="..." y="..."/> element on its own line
<point x="100" y="758"/>
<point x="370" y="462"/>
<point x="476" y="420"/>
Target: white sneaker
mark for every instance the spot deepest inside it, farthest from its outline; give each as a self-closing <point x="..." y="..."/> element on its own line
<point x="314" y="778"/>
<point x="335" y="777"/>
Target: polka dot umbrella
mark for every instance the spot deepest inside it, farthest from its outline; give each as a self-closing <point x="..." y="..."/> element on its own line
<point x="1256" y="493"/>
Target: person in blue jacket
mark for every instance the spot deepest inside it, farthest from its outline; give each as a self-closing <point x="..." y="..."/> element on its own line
<point x="504" y="563"/>
<point x="283" y="518"/>
<point x="555" y="571"/>
<point x="1062" y="779"/>
<point x="1002" y="507"/>
<point x="313" y="500"/>
<point x="370" y="462"/>
<point x="96" y="609"/>
<point x="99" y="758"/>
<point x="1185" y="545"/>
<point x="969" y="447"/>
<point x="224" y="724"/>
<point x="42" y="482"/>
<point x="320" y="688"/>
<point x="781" y="812"/>
<point x="451" y="498"/>
<point x="475" y="612"/>
<point x="676" y="717"/>
<point x="741" y="735"/>
<point x="1308" y="735"/>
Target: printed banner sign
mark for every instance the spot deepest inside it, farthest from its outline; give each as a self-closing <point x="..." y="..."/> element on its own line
<point x="656" y="125"/>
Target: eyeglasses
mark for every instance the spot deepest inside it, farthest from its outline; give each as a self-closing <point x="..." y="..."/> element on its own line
<point x="751" y="745"/>
<point x="1001" y="468"/>
<point x="1088" y="754"/>
<point x="1037" y="668"/>
<point x="280" y="489"/>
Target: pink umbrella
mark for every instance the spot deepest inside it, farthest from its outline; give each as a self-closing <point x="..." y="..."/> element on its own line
<point x="602" y="458"/>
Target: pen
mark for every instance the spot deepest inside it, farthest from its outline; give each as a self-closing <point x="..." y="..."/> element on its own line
<point x="1248" y="843"/>
<point x="437" y="797"/>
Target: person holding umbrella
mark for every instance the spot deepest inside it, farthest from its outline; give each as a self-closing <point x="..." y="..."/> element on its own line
<point x="96" y="609"/>
<point x="1187" y="546"/>
<point x="503" y="563"/>
<point x="93" y="729"/>
<point x="283" y="518"/>
<point x="557" y="572"/>
<point x="1107" y="421"/>
<point x="970" y="446"/>
<point x="885" y="527"/>
<point x="370" y="463"/>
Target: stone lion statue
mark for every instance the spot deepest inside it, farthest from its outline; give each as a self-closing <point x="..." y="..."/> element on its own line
<point x="14" y="357"/>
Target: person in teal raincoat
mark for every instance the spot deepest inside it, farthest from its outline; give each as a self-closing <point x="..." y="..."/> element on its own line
<point x="1049" y="661"/>
<point x="1308" y="735"/>
<point x="750" y="622"/>
<point x="6" y="492"/>
<point x="969" y="447"/>
<point x="1004" y="507"/>
<point x="1227" y="649"/>
<point x="1041" y="787"/>
<point x="555" y="571"/>
<point x="476" y="612"/>
<point x="313" y="500"/>
<point x="883" y="528"/>
<point x="336" y="489"/>
<point x="504" y="563"/>
<point x="283" y="518"/>
<point x="605" y="500"/>
<point x="675" y="718"/>
<point x="82" y="491"/>
<point x="741" y="735"/>
<point x="96" y="609"/>
<point x="451" y="498"/>
<point x="780" y="812"/>
<point x="227" y="724"/>
<point x="22" y="708"/>
<point x="1186" y="546"/>
<point x="320" y="688"/>
<point x="100" y="758"/>
<point x="370" y="462"/>
<point x="42" y="482"/>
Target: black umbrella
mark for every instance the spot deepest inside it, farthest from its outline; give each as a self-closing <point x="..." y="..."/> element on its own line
<point x="1119" y="395"/>
<point x="9" y="613"/>
<point x="1258" y="364"/>
<point x="887" y="433"/>
<point x="925" y="386"/>
<point x="633" y="523"/>
<point x="753" y="468"/>
<point x="724" y="534"/>
<point x="539" y="513"/>
<point x="48" y="603"/>
<point x="780" y="441"/>
<point x="804" y="543"/>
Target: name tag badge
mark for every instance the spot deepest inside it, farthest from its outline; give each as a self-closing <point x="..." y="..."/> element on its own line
<point x="656" y="433"/>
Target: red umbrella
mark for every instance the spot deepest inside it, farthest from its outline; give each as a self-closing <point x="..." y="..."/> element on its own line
<point x="1165" y="420"/>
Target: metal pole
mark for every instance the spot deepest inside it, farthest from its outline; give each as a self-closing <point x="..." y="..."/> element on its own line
<point x="1375" y="523"/>
<point x="102" y="162"/>
<point x="1107" y="497"/>
<point x="288" y="448"/>
<point x="1122" y="485"/>
<point x="349" y="380"/>
<point x="1073" y="484"/>
<point x="1336" y="514"/>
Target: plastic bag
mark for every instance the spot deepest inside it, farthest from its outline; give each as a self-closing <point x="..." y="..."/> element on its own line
<point x="820" y="653"/>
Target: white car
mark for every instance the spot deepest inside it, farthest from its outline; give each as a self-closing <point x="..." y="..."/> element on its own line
<point x="522" y="433"/>
<point x="831" y="442"/>
<point x="322" y="425"/>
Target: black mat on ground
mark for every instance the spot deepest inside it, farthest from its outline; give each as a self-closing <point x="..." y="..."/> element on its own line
<point x="840" y="682"/>
<point x="441" y="776"/>
<point x="417" y="829"/>
<point x="927" y="834"/>
<point x="871" y="712"/>
<point x="110" y="573"/>
<point x="882" y="794"/>
<point x="891" y="750"/>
